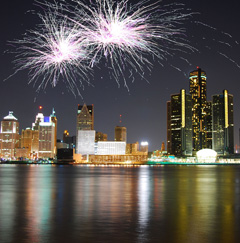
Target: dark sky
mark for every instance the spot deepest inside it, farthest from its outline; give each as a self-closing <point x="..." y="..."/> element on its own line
<point x="143" y="108"/>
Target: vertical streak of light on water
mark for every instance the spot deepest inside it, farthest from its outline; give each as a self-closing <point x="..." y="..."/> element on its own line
<point x="143" y="202"/>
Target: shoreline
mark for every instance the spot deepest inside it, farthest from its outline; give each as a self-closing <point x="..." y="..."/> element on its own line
<point x="145" y="163"/>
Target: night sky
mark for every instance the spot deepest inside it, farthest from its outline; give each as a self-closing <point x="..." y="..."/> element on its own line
<point x="143" y="107"/>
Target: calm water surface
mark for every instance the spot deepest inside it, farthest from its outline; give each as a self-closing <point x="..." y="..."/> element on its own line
<point x="45" y="203"/>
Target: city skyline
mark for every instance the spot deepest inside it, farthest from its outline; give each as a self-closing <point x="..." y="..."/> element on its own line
<point x="143" y="108"/>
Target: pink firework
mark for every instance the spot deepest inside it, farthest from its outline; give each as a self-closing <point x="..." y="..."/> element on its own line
<point x="74" y="38"/>
<point x="128" y="34"/>
<point x="54" y="50"/>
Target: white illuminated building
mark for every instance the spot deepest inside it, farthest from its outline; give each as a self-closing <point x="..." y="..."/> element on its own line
<point x="46" y="128"/>
<point x="9" y="136"/>
<point x="85" y="142"/>
<point x="111" y="148"/>
<point x="206" y="156"/>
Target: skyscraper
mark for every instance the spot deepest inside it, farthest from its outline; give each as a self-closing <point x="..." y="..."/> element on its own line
<point x="46" y="128"/>
<point x="85" y="117"/>
<point x="54" y="120"/>
<point x="208" y="122"/>
<point x="120" y="134"/>
<point x="222" y="123"/>
<point x="85" y="135"/>
<point x="30" y="140"/>
<point x="9" y="136"/>
<point x="198" y="91"/>
<point x="180" y="136"/>
<point x="169" y="149"/>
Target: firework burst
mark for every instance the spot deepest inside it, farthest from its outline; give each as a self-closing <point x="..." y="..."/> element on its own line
<point x="54" y="50"/>
<point x="74" y="38"/>
<point x="129" y="35"/>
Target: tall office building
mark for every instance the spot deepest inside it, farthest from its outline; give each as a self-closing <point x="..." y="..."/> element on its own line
<point x="54" y="120"/>
<point x="208" y="122"/>
<point x="120" y="134"/>
<point x="198" y="91"/>
<point x="46" y="128"/>
<point x="85" y="117"/>
<point x="222" y="123"/>
<point x="180" y="120"/>
<point x="169" y="148"/>
<point x="9" y="136"/>
<point x="30" y="140"/>
<point x="85" y="122"/>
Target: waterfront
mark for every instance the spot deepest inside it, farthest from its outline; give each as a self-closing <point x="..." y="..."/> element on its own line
<point x="80" y="203"/>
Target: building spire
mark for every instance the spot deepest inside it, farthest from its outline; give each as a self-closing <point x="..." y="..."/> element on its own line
<point x="53" y="113"/>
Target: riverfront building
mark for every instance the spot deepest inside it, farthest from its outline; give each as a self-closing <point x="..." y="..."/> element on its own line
<point x="86" y="142"/>
<point x="85" y="117"/>
<point x="111" y="148"/>
<point x="198" y="91"/>
<point x="30" y="141"/>
<point x="46" y="128"/>
<point x="9" y="136"/>
<point x="193" y="123"/>
<point x="179" y="133"/>
<point x="85" y="122"/>
<point x="222" y="113"/>
<point x="120" y="134"/>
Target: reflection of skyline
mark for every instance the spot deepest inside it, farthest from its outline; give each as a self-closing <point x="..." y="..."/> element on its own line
<point x="59" y="204"/>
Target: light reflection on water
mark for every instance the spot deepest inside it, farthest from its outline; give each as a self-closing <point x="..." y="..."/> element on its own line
<point x="119" y="204"/>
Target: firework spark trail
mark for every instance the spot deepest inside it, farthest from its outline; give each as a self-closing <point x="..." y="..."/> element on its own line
<point x="126" y="35"/>
<point x="54" y="49"/>
<point x="74" y="38"/>
<point x="230" y="59"/>
<point x="78" y="36"/>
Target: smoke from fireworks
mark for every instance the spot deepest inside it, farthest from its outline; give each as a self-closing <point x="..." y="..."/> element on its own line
<point x="74" y="38"/>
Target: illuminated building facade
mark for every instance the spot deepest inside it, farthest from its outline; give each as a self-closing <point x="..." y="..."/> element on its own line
<point x="132" y="148"/>
<point x="86" y="142"/>
<point x="180" y="122"/>
<point x="54" y="120"/>
<point x="9" y="136"/>
<point x="120" y="134"/>
<point x="111" y="148"/>
<point x="85" y="117"/>
<point x="30" y="140"/>
<point x="85" y="122"/>
<point x="169" y="149"/>
<point x="209" y="124"/>
<point x="100" y="136"/>
<point x="144" y="147"/>
<point x="222" y="123"/>
<point x="46" y="128"/>
<point x="124" y="158"/>
<point x="198" y="91"/>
